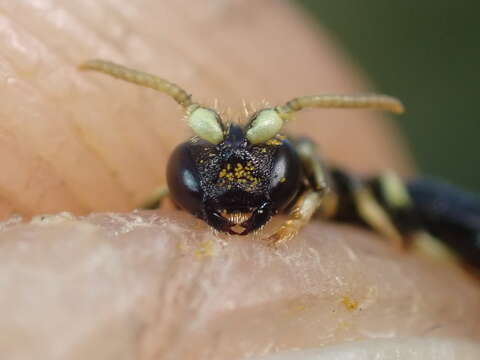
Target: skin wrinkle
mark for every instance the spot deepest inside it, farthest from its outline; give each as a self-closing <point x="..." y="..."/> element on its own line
<point x="113" y="171"/>
<point x="32" y="175"/>
<point x="95" y="149"/>
<point x="72" y="182"/>
<point x="50" y="157"/>
<point x="143" y="156"/>
<point x="12" y="197"/>
<point x="101" y="35"/>
<point x="56" y="17"/>
<point x="142" y="171"/>
<point x="124" y="180"/>
<point x="136" y="178"/>
<point x="41" y="173"/>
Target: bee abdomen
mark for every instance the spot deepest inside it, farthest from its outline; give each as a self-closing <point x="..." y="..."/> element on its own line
<point x="450" y="214"/>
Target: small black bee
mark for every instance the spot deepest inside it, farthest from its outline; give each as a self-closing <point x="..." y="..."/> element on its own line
<point x="236" y="178"/>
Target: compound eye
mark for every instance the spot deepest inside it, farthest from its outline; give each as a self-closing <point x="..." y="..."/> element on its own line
<point x="184" y="180"/>
<point x="264" y="125"/>
<point x="286" y="176"/>
<point x="206" y="124"/>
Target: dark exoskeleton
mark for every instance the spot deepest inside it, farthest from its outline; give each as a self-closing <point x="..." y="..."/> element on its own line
<point x="236" y="178"/>
<point x="234" y="181"/>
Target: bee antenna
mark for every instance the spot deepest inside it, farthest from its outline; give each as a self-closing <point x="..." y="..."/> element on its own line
<point x="205" y="122"/>
<point x="140" y="78"/>
<point x="372" y="101"/>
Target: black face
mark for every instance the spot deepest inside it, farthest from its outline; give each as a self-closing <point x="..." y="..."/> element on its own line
<point x="234" y="186"/>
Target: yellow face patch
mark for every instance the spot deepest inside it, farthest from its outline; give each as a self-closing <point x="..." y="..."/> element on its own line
<point x="238" y="174"/>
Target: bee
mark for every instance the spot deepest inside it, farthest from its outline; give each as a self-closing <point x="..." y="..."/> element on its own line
<point x="236" y="178"/>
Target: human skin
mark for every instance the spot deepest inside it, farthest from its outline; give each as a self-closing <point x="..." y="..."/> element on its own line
<point x="150" y="285"/>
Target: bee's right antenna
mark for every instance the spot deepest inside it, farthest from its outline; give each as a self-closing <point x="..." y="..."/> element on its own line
<point x="268" y="122"/>
<point x="374" y="101"/>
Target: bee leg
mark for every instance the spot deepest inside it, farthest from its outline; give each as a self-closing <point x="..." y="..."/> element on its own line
<point x="376" y="216"/>
<point x="312" y="164"/>
<point x="155" y="199"/>
<point x="357" y="203"/>
<point x="393" y="195"/>
<point x="312" y="198"/>
<point x="300" y="215"/>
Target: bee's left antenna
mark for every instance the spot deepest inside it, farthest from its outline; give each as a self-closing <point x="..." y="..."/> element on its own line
<point x="205" y="122"/>
<point x="140" y="78"/>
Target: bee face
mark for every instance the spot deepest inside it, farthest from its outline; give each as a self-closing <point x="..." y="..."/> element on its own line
<point x="235" y="186"/>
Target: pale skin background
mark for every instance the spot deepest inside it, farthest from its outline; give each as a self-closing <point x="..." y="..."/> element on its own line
<point x="162" y="285"/>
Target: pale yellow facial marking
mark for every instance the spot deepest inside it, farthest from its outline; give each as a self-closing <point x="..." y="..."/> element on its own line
<point x="206" y="124"/>
<point x="266" y="125"/>
<point x="238" y="174"/>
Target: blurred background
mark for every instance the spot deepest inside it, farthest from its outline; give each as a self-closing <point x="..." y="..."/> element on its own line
<point x="427" y="53"/>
